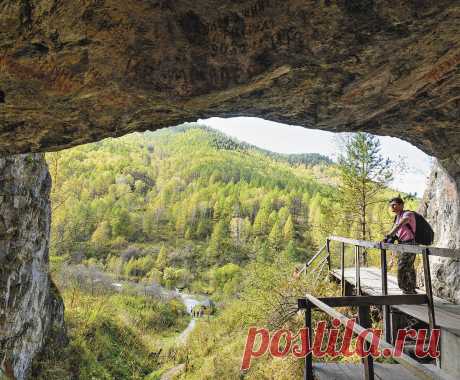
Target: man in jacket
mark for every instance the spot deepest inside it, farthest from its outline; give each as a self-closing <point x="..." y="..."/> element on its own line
<point x="404" y="231"/>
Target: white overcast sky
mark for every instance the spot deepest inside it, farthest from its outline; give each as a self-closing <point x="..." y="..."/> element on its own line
<point x="284" y="138"/>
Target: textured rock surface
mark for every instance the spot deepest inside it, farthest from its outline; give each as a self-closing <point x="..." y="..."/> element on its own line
<point x="77" y="71"/>
<point x="441" y="205"/>
<point x="30" y="307"/>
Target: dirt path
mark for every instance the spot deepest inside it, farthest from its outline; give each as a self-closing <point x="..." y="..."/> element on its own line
<point x="174" y="371"/>
<point x="182" y="338"/>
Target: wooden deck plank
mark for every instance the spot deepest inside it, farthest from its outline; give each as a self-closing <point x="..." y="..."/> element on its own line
<point x="348" y="371"/>
<point x="371" y="281"/>
<point x="337" y="371"/>
<point x="352" y="371"/>
<point x="395" y="371"/>
<point x="447" y="314"/>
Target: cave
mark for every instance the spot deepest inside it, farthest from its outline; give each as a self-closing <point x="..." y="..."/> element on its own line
<point x="78" y="72"/>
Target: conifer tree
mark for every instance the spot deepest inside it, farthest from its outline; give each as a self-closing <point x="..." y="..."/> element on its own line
<point x="364" y="174"/>
<point x="148" y="224"/>
<point x="261" y="222"/>
<point x="283" y="215"/>
<point x="288" y="230"/>
<point x="216" y="245"/>
<point x="290" y="251"/>
<point x="272" y="219"/>
<point x="162" y="259"/>
<point x="101" y="234"/>
<point x="275" y="238"/>
<point x="264" y="253"/>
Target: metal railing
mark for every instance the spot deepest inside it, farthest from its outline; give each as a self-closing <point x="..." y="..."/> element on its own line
<point x="364" y="302"/>
<point x="433" y="251"/>
<point x="426" y="252"/>
<point x="327" y="258"/>
<point x="398" y="248"/>
<point x="383" y="247"/>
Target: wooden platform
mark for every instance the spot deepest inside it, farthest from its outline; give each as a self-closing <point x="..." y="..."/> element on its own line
<point x="447" y="314"/>
<point x="350" y="371"/>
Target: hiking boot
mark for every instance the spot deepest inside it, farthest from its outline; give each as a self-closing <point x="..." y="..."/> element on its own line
<point x="409" y="292"/>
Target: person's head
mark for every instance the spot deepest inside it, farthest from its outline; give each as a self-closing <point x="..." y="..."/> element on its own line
<point x="396" y="204"/>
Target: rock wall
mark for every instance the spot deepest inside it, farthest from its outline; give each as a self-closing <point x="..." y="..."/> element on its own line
<point x="30" y="306"/>
<point x="75" y="72"/>
<point x="441" y="205"/>
<point x="72" y="72"/>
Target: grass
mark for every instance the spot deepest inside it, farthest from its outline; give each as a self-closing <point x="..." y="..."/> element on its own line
<point x="113" y="336"/>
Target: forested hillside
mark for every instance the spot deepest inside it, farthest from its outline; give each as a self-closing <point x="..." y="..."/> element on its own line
<point x="172" y="204"/>
<point x="190" y="208"/>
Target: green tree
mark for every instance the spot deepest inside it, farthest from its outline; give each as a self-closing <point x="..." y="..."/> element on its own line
<point x="290" y="252"/>
<point x="203" y="228"/>
<point x="217" y="243"/>
<point x="288" y="230"/>
<point x="181" y="222"/>
<point x="264" y="253"/>
<point x="162" y="259"/>
<point x="149" y="224"/>
<point x="272" y="219"/>
<point x="364" y="175"/>
<point x="174" y="276"/>
<point x="283" y="215"/>
<point x="225" y="273"/>
<point x="101" y="235"/>
<point x="275" y="238"/>
<point x="120" y="223"/>
<point x="261" y="222"/>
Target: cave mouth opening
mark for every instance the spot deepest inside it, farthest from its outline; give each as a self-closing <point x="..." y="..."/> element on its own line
<point x="110" y="216"/>
<point x="79" y="230"/>
<point x="119" y="178"/>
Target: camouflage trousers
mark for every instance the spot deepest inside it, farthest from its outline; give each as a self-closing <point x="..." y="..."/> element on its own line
<point x="406" y="270"/>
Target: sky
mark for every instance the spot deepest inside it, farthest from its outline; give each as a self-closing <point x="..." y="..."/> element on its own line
<point x="283" y="138"/>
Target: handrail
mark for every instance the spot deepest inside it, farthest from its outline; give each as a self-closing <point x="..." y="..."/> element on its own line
<point x="419" y="249"/>
<point x="425" y="251"/>
<point x="406" y="361"/>
<point x="309" y="262"/>
<point x="315" y="256"/>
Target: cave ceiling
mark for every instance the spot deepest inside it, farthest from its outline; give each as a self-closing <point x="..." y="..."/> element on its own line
<point x="73" y="72"/>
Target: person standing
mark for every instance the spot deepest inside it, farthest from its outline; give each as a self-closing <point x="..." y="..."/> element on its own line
<point x="404" y="231"/>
